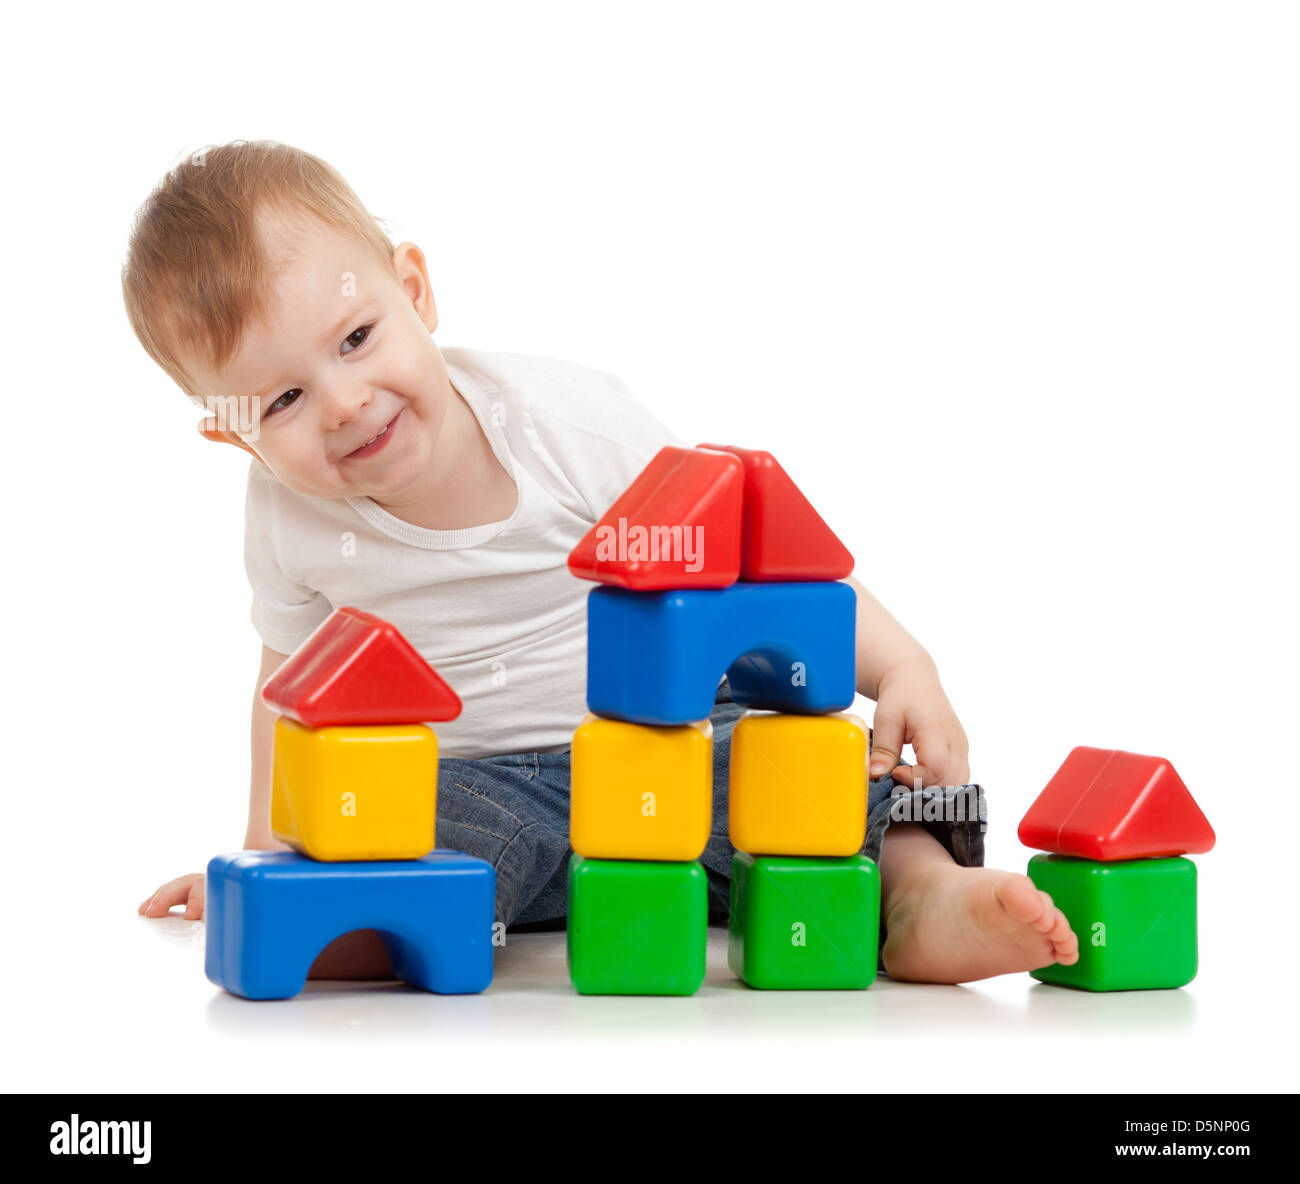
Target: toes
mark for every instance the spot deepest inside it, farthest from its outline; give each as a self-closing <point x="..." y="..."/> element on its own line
<point x="1021" y="900"/>
<point x="1046" y="920"/>
<point x="1032" y="907"/>
<point x="1060" y="932"/>
<point x="1065" y="942"/>
<point x="1066" y="952"/>
<point x="1067" y="957"/>
<point x="1027" y="905"/>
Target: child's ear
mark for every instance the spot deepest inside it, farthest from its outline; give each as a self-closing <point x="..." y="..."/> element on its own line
<point x="413" y="274"/>
<point x="225" y="437"/>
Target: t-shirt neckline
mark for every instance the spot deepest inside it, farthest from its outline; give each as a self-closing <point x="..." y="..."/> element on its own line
<point x="471" y="536"/>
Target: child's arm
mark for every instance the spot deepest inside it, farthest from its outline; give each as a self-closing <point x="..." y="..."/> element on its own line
<point x="188" y="890"/>
<point x="911" y="708"/>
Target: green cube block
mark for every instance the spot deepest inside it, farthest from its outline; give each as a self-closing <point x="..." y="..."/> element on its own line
<point x="1135" y="920"/>
<point x="636" y="927"/>
<point x="803" y="923"/>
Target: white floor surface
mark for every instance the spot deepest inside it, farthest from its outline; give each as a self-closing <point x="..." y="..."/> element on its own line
<point x="126" y="1007"/>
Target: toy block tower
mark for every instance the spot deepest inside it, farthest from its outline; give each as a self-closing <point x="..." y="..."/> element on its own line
<point x="712" y="561"/>
<point x="1116" y="826"/>
<point x="354" y="792"/>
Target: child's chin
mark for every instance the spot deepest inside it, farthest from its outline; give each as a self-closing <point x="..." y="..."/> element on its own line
<point x="381" y="484"/>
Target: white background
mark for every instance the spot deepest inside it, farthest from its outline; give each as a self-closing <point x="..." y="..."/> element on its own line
<point x="1010" y="289"/>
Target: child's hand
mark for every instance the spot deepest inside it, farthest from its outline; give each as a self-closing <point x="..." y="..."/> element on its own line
<point x="912" y="709"/>
<point x="186" y="890"/>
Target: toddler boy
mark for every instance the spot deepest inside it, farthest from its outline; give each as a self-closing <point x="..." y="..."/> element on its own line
<point x="443" y="491"/>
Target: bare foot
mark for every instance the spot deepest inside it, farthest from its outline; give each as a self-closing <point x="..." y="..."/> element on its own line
<point x="957" y="924"/>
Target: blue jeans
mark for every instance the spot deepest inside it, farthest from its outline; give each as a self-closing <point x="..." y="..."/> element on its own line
<point x="513" y="811"/>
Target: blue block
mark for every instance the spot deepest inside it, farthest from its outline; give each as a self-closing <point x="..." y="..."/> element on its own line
<point x="656" y="657"/>
<point x="271" y="913"/>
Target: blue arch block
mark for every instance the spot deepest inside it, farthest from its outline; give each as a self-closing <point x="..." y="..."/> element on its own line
<point x="270" y="913"/>
<point x="656" y="657"/>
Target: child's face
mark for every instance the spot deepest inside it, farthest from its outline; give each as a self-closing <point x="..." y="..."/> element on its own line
<point x="345" y="354"/>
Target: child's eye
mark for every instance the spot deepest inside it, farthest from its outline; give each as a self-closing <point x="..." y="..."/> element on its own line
<point x="356" y="338"/>
<point x="285" y="400"/>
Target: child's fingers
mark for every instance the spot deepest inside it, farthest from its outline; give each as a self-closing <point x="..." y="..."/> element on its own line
<point x="955" y="770"/>
<point x="959" y="759"/>
<point x="173" y="892"/>
<point x="158" y="904"/>
<point x="957" y="763"/>
<point x="913" y="776"/>
<point x="944" y="762"/>
<point x="194" y="909"/>
<point x="950" y="771"/>
<point x="886" y="740"/>
<point x="930" y="754"/>
<point x="162" y="900"/>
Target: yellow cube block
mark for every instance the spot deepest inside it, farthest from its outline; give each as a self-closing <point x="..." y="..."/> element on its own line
<point x="798" y="784"/>
<point x="638" y="791"/>
<point x="355" y="792"/>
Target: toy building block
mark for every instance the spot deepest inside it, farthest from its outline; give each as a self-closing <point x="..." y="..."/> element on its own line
<point x="783" y="537"/>
<point x="636" y="928"/>
<point x="1135" y="921"/>
<point x="271" y="913"/>
<point x="355" y="793"/>
<point x="676" y="526"/>
<point x="804" y="924"/>
<point x="640" y="792"/>
<point x="358" y="669"/>
<point x="656" y="657"/>
<point x="1110" y="805"/>
<point x="798" y="784"/>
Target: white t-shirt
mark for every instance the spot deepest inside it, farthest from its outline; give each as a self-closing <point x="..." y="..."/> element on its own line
<point x="493" y="607"/>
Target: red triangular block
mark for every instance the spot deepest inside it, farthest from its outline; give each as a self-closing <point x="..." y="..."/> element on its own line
<point x="783" y="537"/>
<point x="358" y="669"/>
<point x="676" y="526"/>
<point x="1105" y="804"/>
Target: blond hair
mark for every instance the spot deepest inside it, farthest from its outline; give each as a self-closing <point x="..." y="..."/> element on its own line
<point x="197" y="270"/>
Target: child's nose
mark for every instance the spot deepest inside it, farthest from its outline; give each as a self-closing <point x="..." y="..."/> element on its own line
<point x="342" y="404"/>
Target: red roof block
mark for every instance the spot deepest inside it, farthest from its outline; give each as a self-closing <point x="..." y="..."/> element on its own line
<point x="358" y="669"/>
<point x="1105" y="804"/>
<point x="783" y="537"/>
<point x="676" y="526"/>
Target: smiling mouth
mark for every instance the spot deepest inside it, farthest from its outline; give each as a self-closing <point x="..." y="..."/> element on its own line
<point x="377" y="441"/>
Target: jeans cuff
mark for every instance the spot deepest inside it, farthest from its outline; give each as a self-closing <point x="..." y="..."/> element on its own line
<point x="956" y="815"/>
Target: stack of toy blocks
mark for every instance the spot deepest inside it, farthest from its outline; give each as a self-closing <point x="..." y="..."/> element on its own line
<point x="1116" y="825"/>
<point x="354" y="792"/>
<point x="712" y="561"/>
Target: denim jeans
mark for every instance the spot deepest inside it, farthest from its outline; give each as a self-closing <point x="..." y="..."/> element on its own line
<point x="513" y="811"/>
